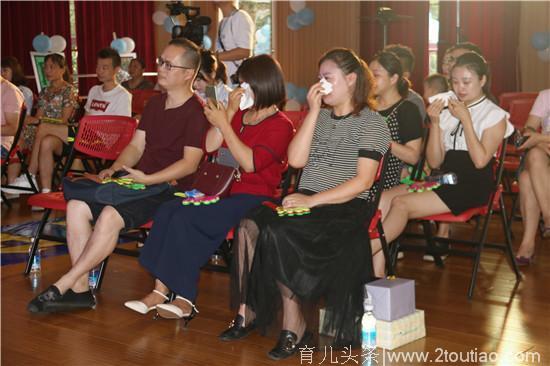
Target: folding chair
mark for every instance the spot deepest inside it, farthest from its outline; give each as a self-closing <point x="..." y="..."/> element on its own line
<point x="496" y="201"/>
<point x="15" y="155"/>
<point x="103" y="137"/>
<point x="505" y="98"/>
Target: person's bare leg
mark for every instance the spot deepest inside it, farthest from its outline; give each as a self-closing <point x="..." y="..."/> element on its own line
<point x="50" y="146"/>
<point x="154" y="298"/>
<point x="43" y="130"/>
<point x="406" y="207"/>
<point x="387" y="197"/>
<point x="100" y="244"/>
<point x="246" y="246"/>
<point x="530" y="213"/>
<point x="443" y="229"/>
<point x="537" y="165"/>
<point x="14" y="169"/>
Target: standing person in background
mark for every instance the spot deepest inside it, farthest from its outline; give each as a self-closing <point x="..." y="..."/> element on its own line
<point x="138" y="81"/>
<point x="406" y="56"/>
<point x="13" y="72"/>
<point x="235" y="37"/>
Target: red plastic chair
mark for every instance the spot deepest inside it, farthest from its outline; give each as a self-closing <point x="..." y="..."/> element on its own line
<point x="140" y="99"/>
<point x="296" y="117"/>
<point x="496" y="201"/>
<point x="101" y="137"/>
<point x="519" y="111"/>
<point x="506" y="98"/>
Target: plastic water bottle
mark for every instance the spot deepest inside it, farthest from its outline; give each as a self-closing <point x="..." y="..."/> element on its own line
<point x="93" y="278"/>
<point x="36" y="262"/>
<point x="368" y="332"/>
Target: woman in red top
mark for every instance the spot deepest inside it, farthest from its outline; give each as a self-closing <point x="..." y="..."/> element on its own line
<point x="183" y="238"/>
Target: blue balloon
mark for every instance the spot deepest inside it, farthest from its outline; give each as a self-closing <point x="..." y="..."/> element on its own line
<point x="301" y="95"/>
<point x="292" y="22"/>
<point x="169" y="23"/>
<point x="41" y="43"/>
<point x="291" y="90"/>
<point x="119" y="45"/>
<point x="305" y="17"/>
<point x="540" y="40"/>
<point x="206" y="42"/>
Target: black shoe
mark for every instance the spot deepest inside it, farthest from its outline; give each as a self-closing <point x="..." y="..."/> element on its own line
<point x="51" y="301"/>
<point x="287" y="344"/>
<point x="236" y="329"/>
<point x="40" y="303"/>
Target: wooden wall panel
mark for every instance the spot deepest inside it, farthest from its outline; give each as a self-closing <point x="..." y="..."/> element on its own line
<point x="336" y="25"/>
<point x="535" y="74"/>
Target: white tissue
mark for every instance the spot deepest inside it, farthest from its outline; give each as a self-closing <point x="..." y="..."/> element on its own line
<point x="327" y="87"/>
<point x="443" y="96"/>
<point x="247" y="99"/>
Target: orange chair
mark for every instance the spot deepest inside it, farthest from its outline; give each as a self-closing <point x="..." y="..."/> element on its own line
<point x="495" y="202"/>
<point x="506" y="98"/>
<point x="102" y="137"/>
<point x="140" y="99"/>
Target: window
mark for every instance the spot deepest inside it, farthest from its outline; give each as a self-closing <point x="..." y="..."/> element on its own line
<point x="433" y="32"/>
<point x="260" y="11"/>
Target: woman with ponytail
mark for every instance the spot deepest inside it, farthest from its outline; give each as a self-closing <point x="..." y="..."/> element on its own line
<point x="289" y="262"/>
<point x="405" y="124"/>
<point x="464" y="137"/>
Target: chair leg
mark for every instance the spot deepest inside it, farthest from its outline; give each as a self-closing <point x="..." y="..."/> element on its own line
<point x="102" y="269"/>
<point x="507" y="233"/>
<point x="36" y="239"/>
<point x="477" y="257"/>
<point x="5" y="200"/>
<point x="385" y="250"/>
<point x="430" y="242"/>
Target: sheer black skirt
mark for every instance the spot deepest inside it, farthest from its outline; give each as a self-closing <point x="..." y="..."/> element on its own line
<point x="325" y="255"/>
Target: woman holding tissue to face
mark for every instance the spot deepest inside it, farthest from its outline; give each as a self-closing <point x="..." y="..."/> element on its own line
<point x="299" y="259"/>
<point x="463" y="139"/>
<point x="183" y="238"/>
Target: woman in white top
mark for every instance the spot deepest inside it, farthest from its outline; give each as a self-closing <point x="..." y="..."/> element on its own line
<point x="463" y="139"/>
<point x="533" y="180"/>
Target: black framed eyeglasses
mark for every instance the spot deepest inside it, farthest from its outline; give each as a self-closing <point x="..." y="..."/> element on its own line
<point x="168" y="66"/>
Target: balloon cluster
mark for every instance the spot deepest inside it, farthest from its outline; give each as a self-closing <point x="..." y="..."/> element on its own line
<point x="541" y="42"/>
<point x="123" y="45"/>
<point x="302" y="16"/>
<point x="294" y="92"/>
<point x="43" y="43"/>
<point x="168" y="22"/>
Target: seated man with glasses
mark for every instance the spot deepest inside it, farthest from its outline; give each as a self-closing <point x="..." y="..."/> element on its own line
<point x="166" y="147"/>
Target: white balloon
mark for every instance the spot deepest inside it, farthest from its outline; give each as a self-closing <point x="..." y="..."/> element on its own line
<point x="296" y="6"/>
<point x="544" y="55"/>
<point x="159" y="16"/>
<point x="58" y="43"/>
<point x="130" y="44"/>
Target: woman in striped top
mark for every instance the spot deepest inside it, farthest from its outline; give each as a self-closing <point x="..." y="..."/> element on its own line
<point x="326" y="253"/>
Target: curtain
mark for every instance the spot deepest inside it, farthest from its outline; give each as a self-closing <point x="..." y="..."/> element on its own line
<point x="97" y="20"/>
<point x="411" y="30"/>
<point x="23" y="20"/>
<point x="494" y="27"/>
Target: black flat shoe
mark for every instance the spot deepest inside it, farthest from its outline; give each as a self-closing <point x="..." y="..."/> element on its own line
<point x="236" y="329"/>
<point x="51" y="301"/>
<point x="40" y="304"/>
<point x="287" y="345"/>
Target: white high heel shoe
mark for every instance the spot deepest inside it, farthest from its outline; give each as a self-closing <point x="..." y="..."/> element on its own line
<point x="171" y="311"/>
<point x="140" y="306"/>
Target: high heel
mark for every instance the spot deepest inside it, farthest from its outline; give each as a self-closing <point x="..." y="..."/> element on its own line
<point x="140" y="307"/>
<point x="287" y="345"/>
<point x="171" y="311"/>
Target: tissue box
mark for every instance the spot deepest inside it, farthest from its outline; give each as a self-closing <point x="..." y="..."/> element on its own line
<point x="392" y="298"/>
<point x="390" y="335"/>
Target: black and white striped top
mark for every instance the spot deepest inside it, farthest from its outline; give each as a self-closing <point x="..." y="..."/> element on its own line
<point x="337" y="144"/>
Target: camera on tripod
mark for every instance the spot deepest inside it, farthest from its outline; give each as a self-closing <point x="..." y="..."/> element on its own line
<point x="194" y="26"/>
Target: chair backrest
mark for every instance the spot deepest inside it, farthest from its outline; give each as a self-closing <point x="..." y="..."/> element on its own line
<point x="18" y="132"/>
<point x="140" y="99"/>
<point x="505" y="99"/>
<point x="104" y="137"/>
<point x="380" y="177"/>
<point x="296" y="117"/>
<point x="519" y="111"/>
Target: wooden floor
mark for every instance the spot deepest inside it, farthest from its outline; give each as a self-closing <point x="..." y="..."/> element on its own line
<point x="501" y="318"/>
